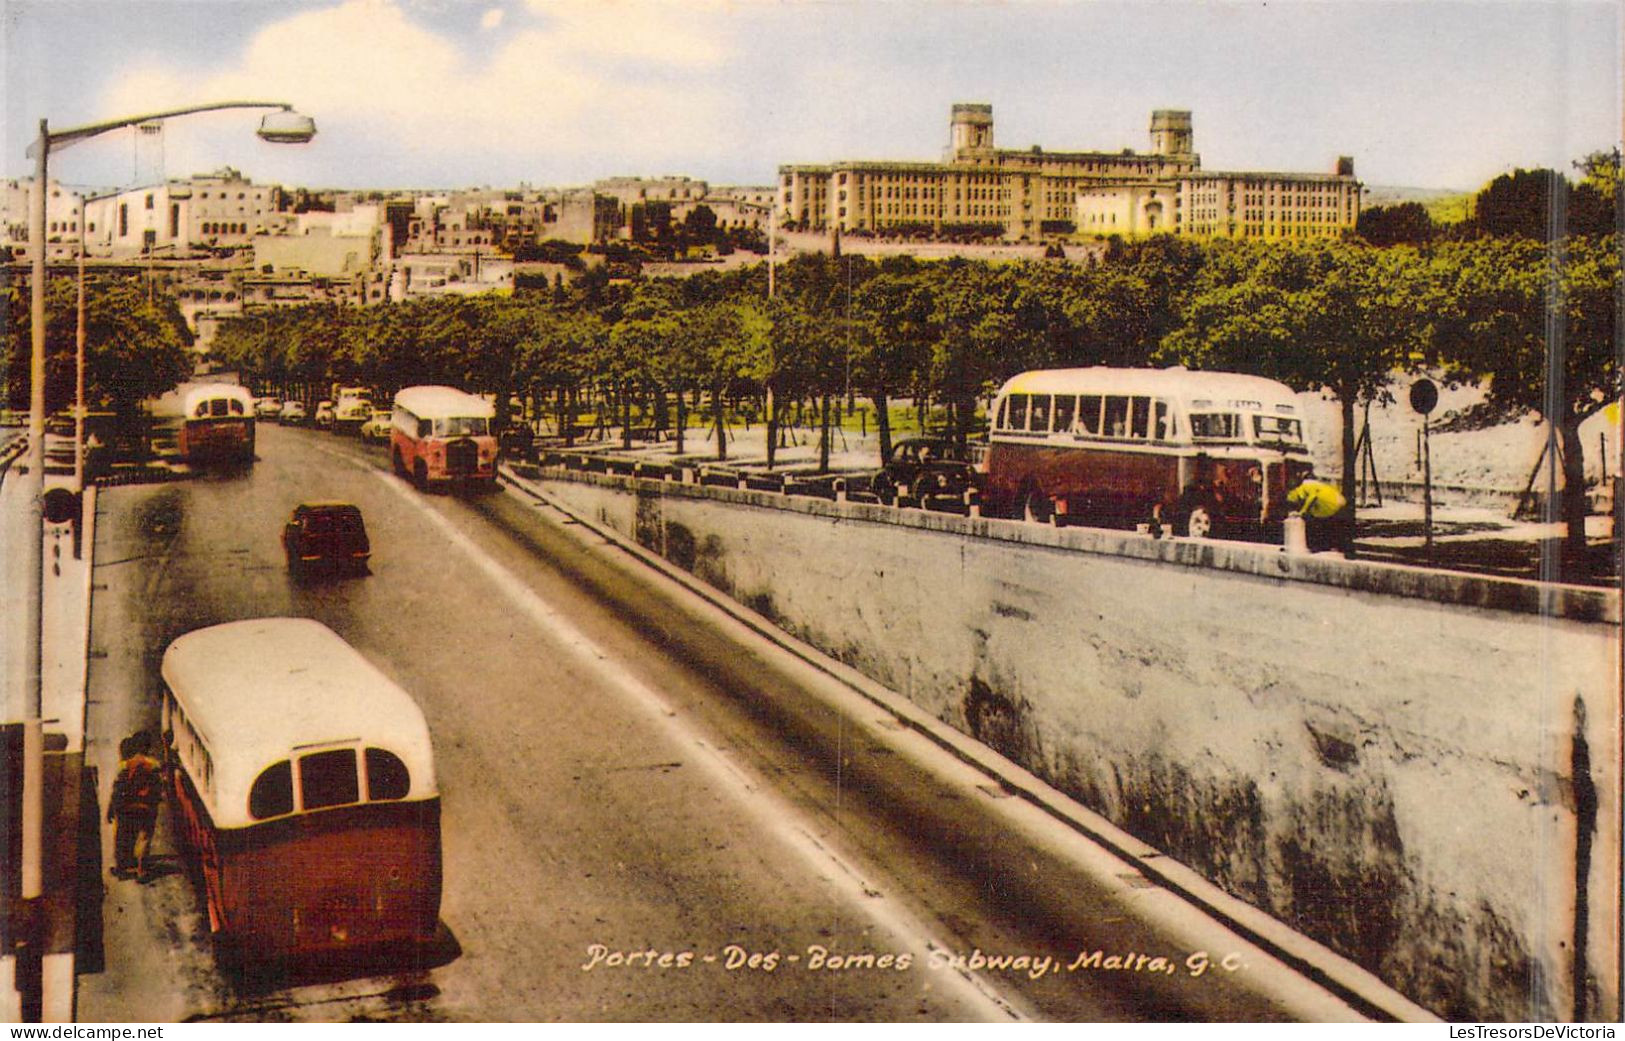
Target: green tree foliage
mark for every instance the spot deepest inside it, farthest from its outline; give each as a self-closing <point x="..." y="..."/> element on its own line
<point x="1540" y="321"/>
<point x="137" y="344"/>
<point x="1405" y="224"/>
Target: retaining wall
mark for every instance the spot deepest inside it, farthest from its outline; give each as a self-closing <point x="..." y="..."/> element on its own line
<point x="1418" y="769"/>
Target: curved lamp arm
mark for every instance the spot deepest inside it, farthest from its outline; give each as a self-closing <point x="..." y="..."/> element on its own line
<point x="62" y="138"/>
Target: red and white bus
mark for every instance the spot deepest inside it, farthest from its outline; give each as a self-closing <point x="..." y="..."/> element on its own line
<point x="442" y="435"/>
<point x="1203" y="452"/>
<point x="304" y="784"/>
<point x="217" y="422"/>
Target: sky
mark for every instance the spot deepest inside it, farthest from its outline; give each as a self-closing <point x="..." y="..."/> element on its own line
<point x="453" y="94"/>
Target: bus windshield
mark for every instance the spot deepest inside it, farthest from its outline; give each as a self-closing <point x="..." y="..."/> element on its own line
<point x="1277" y="430"/>
<point x="462" y="426"/>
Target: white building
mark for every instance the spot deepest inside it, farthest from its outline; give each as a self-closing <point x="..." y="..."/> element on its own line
<point x="61" y="219"/>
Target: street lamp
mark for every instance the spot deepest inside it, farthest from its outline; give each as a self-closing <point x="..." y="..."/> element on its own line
<point x="282" y="127"/>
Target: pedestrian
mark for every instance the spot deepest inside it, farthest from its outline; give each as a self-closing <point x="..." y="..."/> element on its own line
<point x="133" y="807"/>
<point x="1328" y="521"/>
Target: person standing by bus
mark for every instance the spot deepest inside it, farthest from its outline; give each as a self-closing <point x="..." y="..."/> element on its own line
<point x="1328" y="521"/>
<point x="133" y="807"/>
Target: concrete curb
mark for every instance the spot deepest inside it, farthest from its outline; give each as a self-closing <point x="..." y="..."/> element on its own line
<point x="1336" y="974"/>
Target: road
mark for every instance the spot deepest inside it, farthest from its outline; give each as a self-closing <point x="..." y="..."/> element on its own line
<point x="624" y="770"/>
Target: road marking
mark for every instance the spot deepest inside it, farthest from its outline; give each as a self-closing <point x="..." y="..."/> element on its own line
<point x="774" y="815"/>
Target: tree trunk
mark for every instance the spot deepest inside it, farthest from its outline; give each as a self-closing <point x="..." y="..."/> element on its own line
<point x="626" y="414"/>
<point x="1575" y="507"/>
<point x="770" y="409"/>
<point x="722" y="431"/>
<point x="883" y="423"/>
<point x="503" y="408"/>
<point x="823" y="434"/>
<point x="682" y="419"/>
<point x="1345" y="399"/>
<point x="566" y="426"/>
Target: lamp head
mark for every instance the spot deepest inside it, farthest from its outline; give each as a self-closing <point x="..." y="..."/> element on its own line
<point x="287" y="128"/>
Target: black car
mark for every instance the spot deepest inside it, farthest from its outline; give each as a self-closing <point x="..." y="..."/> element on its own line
<point x="326" y="534"/>
<point x="924" y="466"/>
<point x="517" y="442"/>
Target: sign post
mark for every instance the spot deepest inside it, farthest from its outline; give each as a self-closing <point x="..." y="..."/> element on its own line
<point x="1424" y="398"/>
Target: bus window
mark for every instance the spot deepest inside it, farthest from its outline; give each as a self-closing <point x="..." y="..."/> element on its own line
<point x="1040" y="413"/>
<point x="425" y="427"/>
<point x="236" y="407"/>
<point x="1066" y="407"/>
<point x="1089" y="413"/>
<point x="328" y="779"/>
<point x="1215" y="426"/>
<point x="387" y="776"/>
<point x="1116" y="416"/>
<point x="1017" y="412"/>
<point x="1162" y="427"/>
<point x="1274" y="428"/>
<point x="272" y="793"/>
<point x="1140" y="418"/>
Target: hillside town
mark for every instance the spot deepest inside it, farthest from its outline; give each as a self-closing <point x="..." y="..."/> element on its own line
<point x="224" y="245"/>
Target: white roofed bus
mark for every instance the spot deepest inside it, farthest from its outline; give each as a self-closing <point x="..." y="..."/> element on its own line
<point x="1207" y="453"/>
<point x="442" y="435"/>
<point x="217" y="423"/>
<point x="305" y="786"/>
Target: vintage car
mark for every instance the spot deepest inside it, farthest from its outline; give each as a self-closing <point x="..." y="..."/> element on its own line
<point x="517" y="442"/>
<point x="326" y="534"/>
<point x="376" y="429"/>
<point x="292" y="413"/>
<point x="324" y="415"/>
<point x="924" y="466"/>
<point x="267" y="408"/>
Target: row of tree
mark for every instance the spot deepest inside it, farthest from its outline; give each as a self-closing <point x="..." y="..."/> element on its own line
<point x="1535" y="204"/>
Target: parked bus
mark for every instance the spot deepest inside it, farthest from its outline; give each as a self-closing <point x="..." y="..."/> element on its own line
<point x="1203" y="452"/>
<point x="442" y="435"/>
<point x="303" y="783"/>
<point x="217" y="422"/>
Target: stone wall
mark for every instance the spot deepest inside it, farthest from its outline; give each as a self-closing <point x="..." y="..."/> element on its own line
<point x="1383" y="758"/>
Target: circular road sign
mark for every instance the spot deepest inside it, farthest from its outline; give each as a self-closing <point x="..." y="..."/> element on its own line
<point x="1424" y="396"/>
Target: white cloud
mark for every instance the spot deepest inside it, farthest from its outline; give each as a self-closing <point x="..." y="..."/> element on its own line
<point x="668" y="31"/>
<point x="492" y="18"/>
<point x="561" y="88"/>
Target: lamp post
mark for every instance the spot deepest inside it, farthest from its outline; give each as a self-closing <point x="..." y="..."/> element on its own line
<point x="283" y="126"/>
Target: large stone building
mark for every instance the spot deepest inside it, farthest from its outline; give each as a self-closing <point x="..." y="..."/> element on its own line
<point x="206" y="211"/>
<point x="983" y="191"/>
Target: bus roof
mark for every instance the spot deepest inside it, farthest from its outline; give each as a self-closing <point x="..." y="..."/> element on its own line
<point x="1184" y="384"/>
<point x="435" y="402"/>
<point x="257" y="690"/>
<point x="210" y="391"/>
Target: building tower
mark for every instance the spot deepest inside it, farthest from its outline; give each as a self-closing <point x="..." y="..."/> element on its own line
<point x="1171" y="132"/>
<point x="970" y="134"/>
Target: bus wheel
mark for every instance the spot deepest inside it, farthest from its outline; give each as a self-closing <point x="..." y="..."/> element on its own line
<point x="1036" y="508"/>
<point x="395" y="459"/>
<point x="420" y="475"/>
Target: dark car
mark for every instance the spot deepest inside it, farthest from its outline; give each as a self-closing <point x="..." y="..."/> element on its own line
<point x="925" y="466"/>
<point x="518" y="443"/>
<point x="326" y="534"/>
